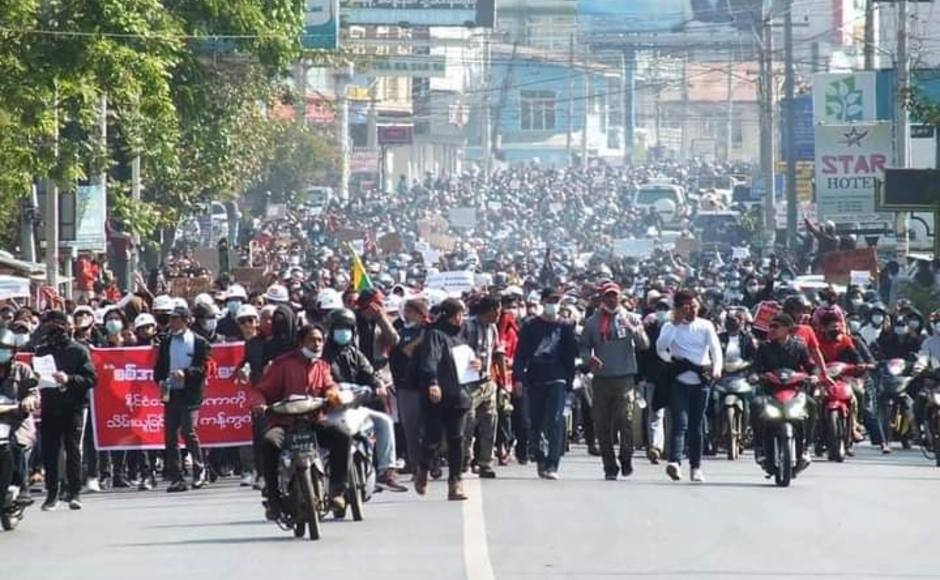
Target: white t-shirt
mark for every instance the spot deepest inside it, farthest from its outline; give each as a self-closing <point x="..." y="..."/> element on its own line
<point x="696" y="342"/>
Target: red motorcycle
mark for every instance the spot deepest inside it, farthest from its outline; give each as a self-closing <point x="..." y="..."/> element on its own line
<point x="783" y="413"/>
<point x="838" y="416"/>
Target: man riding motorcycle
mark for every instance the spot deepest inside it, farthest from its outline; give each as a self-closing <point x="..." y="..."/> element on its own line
<point x="784" y="351"/>
<point x="350" y="365"/>
<point x="303" y="371"/>
<point x="17" y="386"/>
<point x="837" y="346"/>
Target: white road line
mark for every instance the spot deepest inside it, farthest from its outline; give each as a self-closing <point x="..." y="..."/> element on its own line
<point x="476" y="552"/>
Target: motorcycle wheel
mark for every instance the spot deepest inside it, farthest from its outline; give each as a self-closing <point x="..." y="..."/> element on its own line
<point x="784" y="459"/>
<point x="310" y="495"/>
<point x="9" y="522"/>
<point x="732" y="419"/>
<point x="355" y="487"/>
<point x="836" y="431"/>
<point x="935" y="427"/>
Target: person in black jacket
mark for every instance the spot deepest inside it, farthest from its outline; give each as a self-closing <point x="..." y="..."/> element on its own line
<point x="64" y="409"/>
<point x="403" y="363"/>
<point x="447" y="401"/>
<point x="181" y="372"/>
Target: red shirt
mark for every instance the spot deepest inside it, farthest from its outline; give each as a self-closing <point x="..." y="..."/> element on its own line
<point x="294" y="374"/>
<point x="805" y="333"/>
<point x="832" y="349"/>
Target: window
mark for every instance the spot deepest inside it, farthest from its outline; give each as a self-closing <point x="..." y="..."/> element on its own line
<point x="538" y="110"/>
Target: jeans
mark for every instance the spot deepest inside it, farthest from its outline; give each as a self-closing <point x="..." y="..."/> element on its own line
<point x="521" y="424"/>
<point x="481" y="422"/>
<point x="410" y="406"/>
<point x="449" y="422"/>
<point x="384" y="439"/>
<point x="687" y="407"/>
<point x="547" y="402"/>
<point x="178" y="417"/>
<point x="870" y="411"/>
<point x="613" y="416"/>
<point x="336" y="440"/>
<point x="58" y="430"/>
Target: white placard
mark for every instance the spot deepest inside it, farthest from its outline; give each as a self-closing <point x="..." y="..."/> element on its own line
<point x="13" y="287"/>
<point x="462" y="218"/>
<point x="859" y="278"/>
<point x="454" y="283"/>
<point x="45" y="367"/>
<point x="463" y="355"/>
<point x="740" y="253"/>
<point x="634" y="248"/>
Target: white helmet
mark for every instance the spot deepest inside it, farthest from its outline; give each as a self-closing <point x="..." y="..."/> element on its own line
<point x="236" y="291"/>
<point x="329" y="299"/>
<point x="143" y="319"/>
<point x="205" y="299"/>
<point x="163" y="303"/>
<point x="246" y="311"/>
<point x="277" y="293"/>
<point x="178" y="302"/>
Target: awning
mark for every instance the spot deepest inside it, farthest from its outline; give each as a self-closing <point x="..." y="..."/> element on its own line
<point x="14" y="287"/>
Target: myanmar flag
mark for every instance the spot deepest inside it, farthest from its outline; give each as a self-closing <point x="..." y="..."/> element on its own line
<point x="360" y="278"/>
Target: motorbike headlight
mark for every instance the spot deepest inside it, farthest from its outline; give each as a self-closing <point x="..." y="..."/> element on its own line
<point x="772" y="412"/>
<point x="796" y="408"/>
<point x="935" y="398"/>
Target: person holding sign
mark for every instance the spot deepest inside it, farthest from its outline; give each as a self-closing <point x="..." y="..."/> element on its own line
<point x="64" y="384"/>
<point x="445" y="412"/>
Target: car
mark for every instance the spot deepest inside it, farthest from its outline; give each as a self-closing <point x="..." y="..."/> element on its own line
<point x="721" y="226"/>
<point x="669" y="201"/>
<point x="317" y="198"/>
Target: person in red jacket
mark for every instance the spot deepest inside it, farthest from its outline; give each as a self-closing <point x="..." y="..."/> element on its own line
<point x="302" y="371"/>
<point x="508" y="328"/>
<point x="838" y="346"/>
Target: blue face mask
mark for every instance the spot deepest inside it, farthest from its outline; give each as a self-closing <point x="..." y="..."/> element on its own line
<point x="233" y="307"/>
<point x="342" y="336"/>
<point x="6" y="355"/>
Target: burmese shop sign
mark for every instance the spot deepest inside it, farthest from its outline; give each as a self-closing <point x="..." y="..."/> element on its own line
<point x="473" y="13"/>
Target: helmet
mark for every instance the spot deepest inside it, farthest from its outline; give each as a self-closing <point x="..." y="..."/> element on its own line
<point x="329" y="299"/>
<point x="163" y="303"/>
<point x="236" y="291"/>
<point x="277" y="293"/>
<point x="341" y="318"/>
<point x="143" y="319"/>
<point x="203" y="298"/>
<point x="246" y="311"/>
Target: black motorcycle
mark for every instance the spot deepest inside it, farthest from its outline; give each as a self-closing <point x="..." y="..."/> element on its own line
<point x="11" y="509"/>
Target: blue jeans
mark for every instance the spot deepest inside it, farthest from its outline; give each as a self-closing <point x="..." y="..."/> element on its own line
<point x="687" y="405"/>
<point x="547" y="411"/>
<point x="384" y="440"/>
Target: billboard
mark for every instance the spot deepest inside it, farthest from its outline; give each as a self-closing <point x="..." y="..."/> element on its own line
<point x="321" y="24"/>
<point x="480" y="13"/>
<point x="804" y="136"/>
<point x="844" y="98"/>
<point x="665" y="15"/>
<point x="849" y="158"/>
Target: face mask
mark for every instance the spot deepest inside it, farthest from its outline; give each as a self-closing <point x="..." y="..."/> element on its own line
<point x="608" y="309"/>
<point x="913" y="325"/>
<point x="752" y="289"/>
<point x="310" y="354"/>
<point x="210" y="325"/>
<point x="732" y="325"/>
<point x="877" y="319"/>
<point x="855" y="325"/>
<point x="233" y="307"/>
<point x="832" y="334"/>
<point x="662" y="315"/>
<point x="550" y="310"/>
<point x="113" y="326"/>
<point x="856" y="302"/>
<point x="6" y="355"/>
<point x="20" y="340"/>
<point x="900" y="330"/>
<point x="342" y="336"/>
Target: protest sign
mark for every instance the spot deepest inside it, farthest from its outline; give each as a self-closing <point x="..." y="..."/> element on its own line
<point x="766" y="312"/>
<point x="391" y="243"/>
<point x="634" y="248"/>
<point x="837" y="267"/>
<point x="462" y="218"/>
<point x="250" y="278"/>
<point x="454" y="283"/>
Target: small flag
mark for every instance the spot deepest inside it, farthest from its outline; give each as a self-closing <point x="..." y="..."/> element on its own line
<point x="360" y="278"/>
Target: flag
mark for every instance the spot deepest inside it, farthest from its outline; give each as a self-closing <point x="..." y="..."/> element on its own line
<point x="359" y="276"/>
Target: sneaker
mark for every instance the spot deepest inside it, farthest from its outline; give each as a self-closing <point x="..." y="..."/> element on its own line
<point x="654" y="455"/>
<point x="258" y="484"/>
<point x="551" y="475"/>
<point x="593" y="450"/>
<point x="75" y="504"/>
<point x="119" y="483"/>
<point x="51" y="504"/>
<point x="886" y="448"/>
<point x="611" y="477"/>
<point x="247" y="479"/>
<point x="177" y="487"/>
<point x="147" y="483"/>
<point x="338" y="502"/>
<point x="93" y="485"/>
<point x="674" y="471"/>
<point x="199" y="482"/>
<point x="626" y="467"/>
<point x="540" y="469"/>
<point x="390" y="482"/>
<point x="487" y="473"/>
<point x="697" y="476"/>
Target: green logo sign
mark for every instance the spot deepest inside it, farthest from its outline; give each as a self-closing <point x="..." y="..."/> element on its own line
<point x="844" y="101"/>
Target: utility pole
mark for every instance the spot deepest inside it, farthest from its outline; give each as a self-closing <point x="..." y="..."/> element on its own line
<point x="629" y="106"/>
<point x="569" y="138"/>
<point x="300" y="82"/>
<point x="683" y="145"/>
<point x="729" y="126"/>
<point x="767" y="130"/>
<point x="52" y="205"/>
<point x="486" y="137"/>
<point x="901" y="128"/>
<point x="870" y="31"/>
<point x="790" y="91"/>
<point x="342" y="76"/>
<point x="135" y="195"/>
<point x="584" y="126"/>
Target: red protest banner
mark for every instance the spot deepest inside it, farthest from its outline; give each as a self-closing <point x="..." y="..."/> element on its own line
<point x="766" y="312"/>
<point x="838" y="266"/>
<point x="127" y="408"/>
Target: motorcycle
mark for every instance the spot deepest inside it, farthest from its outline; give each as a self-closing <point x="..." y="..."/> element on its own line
<point x="838" y="417"/>
<point x="353" y="419"/>
<point x="11" y="510"/>
<point x="783" y="422"/>
<point x="895" y="408"/>
<point x="300" y="469"/>
<point x="732" y="408"/>
<point x="930" y="391"/>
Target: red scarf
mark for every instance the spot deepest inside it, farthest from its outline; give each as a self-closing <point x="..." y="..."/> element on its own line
<point x="607" y="320"/>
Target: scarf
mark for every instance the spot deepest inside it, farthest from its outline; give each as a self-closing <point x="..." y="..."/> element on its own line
<point x="607" y="320"/>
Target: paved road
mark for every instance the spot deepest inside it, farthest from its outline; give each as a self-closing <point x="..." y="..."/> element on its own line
<point x="873" y="517"/>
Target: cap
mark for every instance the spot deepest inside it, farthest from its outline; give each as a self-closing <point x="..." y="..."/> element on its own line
<point x="550" y="294"/>
<point x="181" y="311"/>
<point x="236" y="291"/>
<point x="609" y="287"/>
<point x="57" y="317"/>
<point x="246" y="311"/>
<point x="143" y="320"/>
<point x="162" y="303"/>
<point x="276" y="293"/>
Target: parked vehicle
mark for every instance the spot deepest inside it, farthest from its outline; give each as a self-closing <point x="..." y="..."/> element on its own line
<point x="669" y="201"/>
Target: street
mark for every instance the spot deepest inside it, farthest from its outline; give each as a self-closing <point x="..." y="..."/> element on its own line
<point x="873" y="517"/>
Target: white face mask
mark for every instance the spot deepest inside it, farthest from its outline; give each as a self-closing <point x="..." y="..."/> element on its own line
<point x="855" y="325"/>
<point x="550" y="310"/>
<point x="877" y="319"/>
<point x="310" y="354"/>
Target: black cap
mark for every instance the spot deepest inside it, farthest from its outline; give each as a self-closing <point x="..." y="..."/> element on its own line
<point x="180" y="312"/>
<point x="57" y="317"/>
<point x="550" y="294"/>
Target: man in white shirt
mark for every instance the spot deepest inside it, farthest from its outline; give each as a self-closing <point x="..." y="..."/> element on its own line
<point x="691" y="345"/>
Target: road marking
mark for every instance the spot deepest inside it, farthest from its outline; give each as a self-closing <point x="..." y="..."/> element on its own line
<point x="476" y="552"/>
